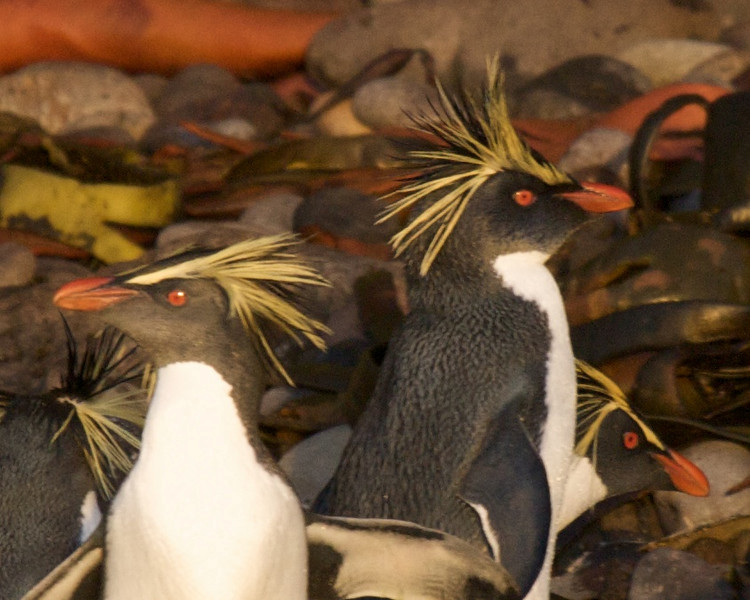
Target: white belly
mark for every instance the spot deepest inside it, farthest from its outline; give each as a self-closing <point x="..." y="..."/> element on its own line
<point x="526" y="275"/>
<point x="199" y="518"/>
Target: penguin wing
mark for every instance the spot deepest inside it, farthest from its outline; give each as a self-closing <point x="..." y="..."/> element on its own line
<point x="506" y="485"/>
<point x="362" y="558"/>
<point x="78" y="577"/>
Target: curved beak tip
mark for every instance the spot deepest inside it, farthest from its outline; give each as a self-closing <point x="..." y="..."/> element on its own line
<point x="599" y="198"/>
<point x="685" y="475"/>
<point x="89" y="294"/>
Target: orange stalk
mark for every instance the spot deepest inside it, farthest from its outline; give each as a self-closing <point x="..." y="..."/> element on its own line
<point x="157" y="35"/>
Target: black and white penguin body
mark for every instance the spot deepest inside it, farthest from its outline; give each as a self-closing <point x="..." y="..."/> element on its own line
<point x="470" y="428"/>
<point x="205" y="513"/>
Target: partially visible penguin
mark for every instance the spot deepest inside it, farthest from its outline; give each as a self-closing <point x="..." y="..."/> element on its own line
<point x="61" y="456"/>
<point x="470" y="428"/>
<point x="617" y="453"/>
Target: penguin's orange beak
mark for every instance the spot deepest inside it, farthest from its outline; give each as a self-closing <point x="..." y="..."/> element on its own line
<point x="93" y="293"/>
<point x="685" y="476"/>
<point x="599" y="198"/>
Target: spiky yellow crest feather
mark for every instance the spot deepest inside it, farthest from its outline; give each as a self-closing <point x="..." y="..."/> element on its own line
<point x="599" y="396"/>
<point x="257" y="276"/>
<point x="110" y="419"/>
<point x="478" y="141"/>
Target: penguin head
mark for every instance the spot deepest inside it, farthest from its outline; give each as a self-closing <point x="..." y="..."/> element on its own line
<point x="482" y="192"/>
<point x="514" y="211"/>
<point x="172" y="319"/>
<point x="626" y="454"/>
<point x="196" y="304"/>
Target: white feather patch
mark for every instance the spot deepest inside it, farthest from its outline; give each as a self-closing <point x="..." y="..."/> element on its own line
<point x="489" y="533"/>
<point x="199" y="517"/>
<point x="525" y="274"/>
<point x="583" y="489"/>
<point x="91" y="516"/>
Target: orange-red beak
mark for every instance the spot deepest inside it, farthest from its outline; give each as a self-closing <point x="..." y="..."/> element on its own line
<point x="93" y="293"/>
<point x="599" y="198"/>
<point x="685" y="476"/>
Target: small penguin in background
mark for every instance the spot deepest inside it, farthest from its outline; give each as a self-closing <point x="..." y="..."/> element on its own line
<point x="617" y="453"/>
<point x="62" y="454"/>
<point x="471" y="424"/>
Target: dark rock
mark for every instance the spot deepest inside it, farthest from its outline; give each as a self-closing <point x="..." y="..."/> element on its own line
<point x="677" y="575"/>
<point x="602" y="573"/>
<point x="392" y="102"/>
<point x="272" y="214"/>
<point x="311" y="463"/>
<point x="580" y="86"/>
<point x="737" y="36"/>
<point x="194" y="91"/>
<point x="152" y="84"/>
<point x="211" y="96"/>
<point x="345" y="212"/>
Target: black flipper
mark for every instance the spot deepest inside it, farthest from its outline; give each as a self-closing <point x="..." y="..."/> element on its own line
<point x="507" y="486"/>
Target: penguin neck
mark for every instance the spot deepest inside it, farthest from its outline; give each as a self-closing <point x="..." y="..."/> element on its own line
<point x="233" y="356"/>
<point x="583" y="490"/>
<point x="452" y="284"/>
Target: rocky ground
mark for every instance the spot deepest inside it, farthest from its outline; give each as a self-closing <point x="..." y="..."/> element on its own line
<point x="312" y="150"/>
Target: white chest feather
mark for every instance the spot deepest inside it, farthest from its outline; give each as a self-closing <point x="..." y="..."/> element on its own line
<point x="525" y="274"/>
<point x="199" y="517"/>
<point x="583" y="489"/>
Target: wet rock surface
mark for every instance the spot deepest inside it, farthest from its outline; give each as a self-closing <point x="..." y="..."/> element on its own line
<point x="75" y="96"/>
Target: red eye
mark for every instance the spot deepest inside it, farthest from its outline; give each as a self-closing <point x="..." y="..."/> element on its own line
<point x="524" y="197"/>
<point x="177" y="297"/>
<point x="630" y="440"/>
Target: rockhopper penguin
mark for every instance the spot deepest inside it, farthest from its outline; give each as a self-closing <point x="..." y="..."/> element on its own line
<point x="470" y="428"/>
<point x="616" y="452"/>
<point x="62" y="454"/>
<point x="205" y="513"/>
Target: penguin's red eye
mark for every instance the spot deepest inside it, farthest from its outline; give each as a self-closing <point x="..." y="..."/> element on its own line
<point x="524" y="197"/>
<point x="177" y="297"/>
<point x="630" y="440"/>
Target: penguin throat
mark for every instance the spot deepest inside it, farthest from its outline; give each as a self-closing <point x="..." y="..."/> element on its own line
<point x="583" y="490"/>
<point x="524" y="274"/>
